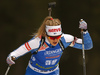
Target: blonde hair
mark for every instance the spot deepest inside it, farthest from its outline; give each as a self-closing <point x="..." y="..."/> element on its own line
<point x="47" y="21"/>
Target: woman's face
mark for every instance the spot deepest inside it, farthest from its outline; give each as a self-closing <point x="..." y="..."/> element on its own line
<point x="54" y="41"/>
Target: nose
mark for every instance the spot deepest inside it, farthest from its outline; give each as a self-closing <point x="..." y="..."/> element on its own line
<point x="55" y="39"/>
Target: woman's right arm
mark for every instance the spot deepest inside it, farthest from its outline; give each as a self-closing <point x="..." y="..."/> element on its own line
<point x="23" y="49"/>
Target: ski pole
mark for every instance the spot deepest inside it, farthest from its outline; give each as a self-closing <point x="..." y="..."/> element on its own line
<point x="83" y="51"/>
<point x="9" y="66"/>
<point x="7" y="69"/>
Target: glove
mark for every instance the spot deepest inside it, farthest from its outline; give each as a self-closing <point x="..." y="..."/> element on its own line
<point x="82" y="24"/>
<point x="10" y="60"/>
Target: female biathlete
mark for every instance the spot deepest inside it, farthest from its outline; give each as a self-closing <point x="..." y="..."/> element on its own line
<point x="47" y="47"/>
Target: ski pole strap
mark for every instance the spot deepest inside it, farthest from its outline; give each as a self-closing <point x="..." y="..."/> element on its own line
<point x="61" y="45"/>
<point x="42" y="42"/>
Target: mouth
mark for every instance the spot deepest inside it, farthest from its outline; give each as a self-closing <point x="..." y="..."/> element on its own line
<point x="54" y="42"/>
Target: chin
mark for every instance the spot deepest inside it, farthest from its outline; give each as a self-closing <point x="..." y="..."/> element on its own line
<point x="54" y="44"/>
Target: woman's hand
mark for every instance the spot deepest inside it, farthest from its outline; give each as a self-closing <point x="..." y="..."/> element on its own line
<point x="82" y="24"/>
<point x="10" y="60"/>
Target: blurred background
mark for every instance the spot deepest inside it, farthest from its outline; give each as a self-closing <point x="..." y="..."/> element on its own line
<point x="19" y="19"/>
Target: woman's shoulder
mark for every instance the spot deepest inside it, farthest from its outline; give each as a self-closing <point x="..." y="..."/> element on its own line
<point x="34" y="42"/>
<point x="35" y="39"/>
<point x="68" y="37"/>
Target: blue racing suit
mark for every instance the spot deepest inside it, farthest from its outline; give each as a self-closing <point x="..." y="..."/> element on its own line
<point x="46" y="61"/>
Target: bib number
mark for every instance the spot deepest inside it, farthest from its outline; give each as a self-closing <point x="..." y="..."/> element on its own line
<point x="50" y="62"/>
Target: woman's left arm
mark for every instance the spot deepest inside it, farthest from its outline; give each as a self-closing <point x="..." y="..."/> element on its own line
<point x="88" y="44"/>
<point x="77" y="43"/>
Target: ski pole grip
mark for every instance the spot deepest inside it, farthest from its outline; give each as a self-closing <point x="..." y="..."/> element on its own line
<point x="81" y="21"/>
<point x="13" y="58"/>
